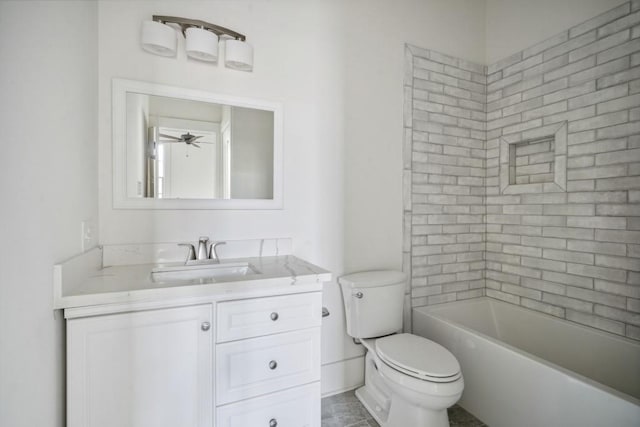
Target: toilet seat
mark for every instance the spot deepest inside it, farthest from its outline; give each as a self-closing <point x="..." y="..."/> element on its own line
<point x="418" y="357"/>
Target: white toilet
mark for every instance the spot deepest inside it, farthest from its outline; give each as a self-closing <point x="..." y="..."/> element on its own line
<point x="410" y="381"/>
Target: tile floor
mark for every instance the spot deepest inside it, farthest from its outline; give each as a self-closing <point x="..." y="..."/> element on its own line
<point x="345" y="410"/>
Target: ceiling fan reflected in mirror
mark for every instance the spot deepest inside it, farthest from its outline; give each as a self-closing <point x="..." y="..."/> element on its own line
<point x="187" y="138"/>
<point x="155" y="137"/>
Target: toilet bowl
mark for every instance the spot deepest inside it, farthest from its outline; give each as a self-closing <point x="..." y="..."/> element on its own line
<point x="410" y="381"/>
<point x="404" y="387"/>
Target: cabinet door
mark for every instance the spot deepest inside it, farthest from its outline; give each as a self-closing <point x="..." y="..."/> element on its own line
<point x="142" y="369"/>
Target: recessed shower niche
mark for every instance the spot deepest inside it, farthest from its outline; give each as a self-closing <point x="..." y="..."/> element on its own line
<point x="534" y="163"/>
<point x="531" y="161"/>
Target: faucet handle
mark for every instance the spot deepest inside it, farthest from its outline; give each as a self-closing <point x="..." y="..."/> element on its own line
<point x="191" y="255"/>
<point x="212" y="250"/>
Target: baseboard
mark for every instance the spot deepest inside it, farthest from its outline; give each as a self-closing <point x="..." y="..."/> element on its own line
<point x="341" y="376"/>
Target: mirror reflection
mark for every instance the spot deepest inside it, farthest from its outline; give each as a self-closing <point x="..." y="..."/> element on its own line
<point x="188" y="149"/>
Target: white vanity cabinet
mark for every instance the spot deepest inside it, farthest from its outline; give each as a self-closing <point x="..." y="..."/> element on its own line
<point x="149" y="368"/>
<point x="217" y="351"/>
<point x="217" y="363"/>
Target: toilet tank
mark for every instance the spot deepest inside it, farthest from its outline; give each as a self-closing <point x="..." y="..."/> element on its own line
<point x="373" y="302"/>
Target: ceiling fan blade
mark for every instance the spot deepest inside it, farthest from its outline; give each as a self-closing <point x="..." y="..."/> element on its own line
<point x="194" y="144"/>
<point x="170" y="137"/>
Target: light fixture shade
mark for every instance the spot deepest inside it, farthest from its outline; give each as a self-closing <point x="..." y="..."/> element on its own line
<point x="159" y="38"/>
<point x="201" y="44"/>
<point x="238" y="55"/>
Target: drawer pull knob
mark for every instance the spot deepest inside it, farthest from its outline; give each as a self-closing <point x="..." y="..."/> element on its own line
<point x="274" y="316"/>
<point x="358" y="295"/>
<point x="273" y="422"/>
<point x="273" y="365"/>
<point x="205" y="326"/>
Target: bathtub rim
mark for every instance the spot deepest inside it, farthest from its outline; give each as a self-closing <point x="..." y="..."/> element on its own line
<point x="522" y="353"/>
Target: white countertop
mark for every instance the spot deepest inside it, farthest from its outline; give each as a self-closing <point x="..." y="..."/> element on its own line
<point x="126" y="284"/>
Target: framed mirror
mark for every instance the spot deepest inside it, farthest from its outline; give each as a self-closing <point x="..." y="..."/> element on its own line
<point x="176" y="148"/>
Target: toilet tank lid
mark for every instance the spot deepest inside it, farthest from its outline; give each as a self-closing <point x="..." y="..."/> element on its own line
<point x="370" y="279"/>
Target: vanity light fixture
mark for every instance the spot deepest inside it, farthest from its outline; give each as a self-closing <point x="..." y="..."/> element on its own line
<point x="159" y="37"/>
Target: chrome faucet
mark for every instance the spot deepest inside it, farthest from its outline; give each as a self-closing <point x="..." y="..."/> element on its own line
<point x="203" y="244"/>
<point x="205" y="254"/>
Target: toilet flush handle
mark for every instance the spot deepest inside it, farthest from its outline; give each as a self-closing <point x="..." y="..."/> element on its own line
<point x="358" y="295"/>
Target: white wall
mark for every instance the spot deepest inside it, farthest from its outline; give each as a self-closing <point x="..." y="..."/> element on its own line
<point x="375" y="34"/>
<point x="514" y="25"/>
<point x="337" y="67"/>
<point x="48" y="185"/>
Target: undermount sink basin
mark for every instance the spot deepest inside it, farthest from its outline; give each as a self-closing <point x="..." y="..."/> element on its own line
<point x="202" y="271"/>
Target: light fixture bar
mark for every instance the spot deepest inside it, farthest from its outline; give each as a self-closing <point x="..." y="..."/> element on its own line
<point x="185" y="23"/>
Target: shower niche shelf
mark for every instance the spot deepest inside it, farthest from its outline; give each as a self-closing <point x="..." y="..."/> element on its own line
<point x="534" y="162"/>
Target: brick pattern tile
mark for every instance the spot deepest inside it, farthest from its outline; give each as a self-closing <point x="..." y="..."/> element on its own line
<point x="573" y="254"/>
<point x="445" y="164"/>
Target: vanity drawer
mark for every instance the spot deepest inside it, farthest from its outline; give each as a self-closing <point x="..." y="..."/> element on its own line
<point x="263" y="365"/>
<point x="296" y="407"/>
<point x="263" y="316"/>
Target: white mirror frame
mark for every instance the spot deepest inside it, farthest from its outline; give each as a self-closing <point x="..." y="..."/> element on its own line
<point x="120" y="199"/>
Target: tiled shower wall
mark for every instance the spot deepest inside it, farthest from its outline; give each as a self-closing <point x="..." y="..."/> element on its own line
<point x="567" y="244"/>
<point x="444" y="175"/>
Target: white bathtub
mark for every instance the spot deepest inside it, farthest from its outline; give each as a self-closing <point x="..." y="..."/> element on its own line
<point x="523" y="368"/>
